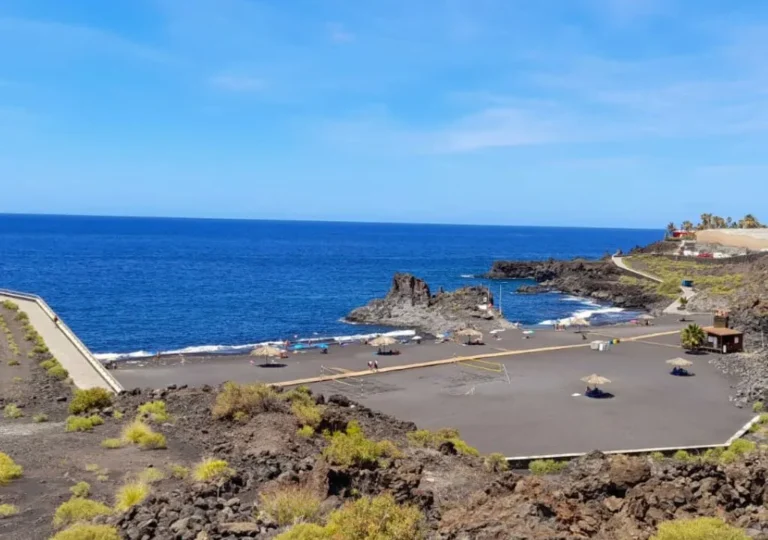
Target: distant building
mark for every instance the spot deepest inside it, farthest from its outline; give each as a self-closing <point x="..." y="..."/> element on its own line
<point x="683" y="234"/>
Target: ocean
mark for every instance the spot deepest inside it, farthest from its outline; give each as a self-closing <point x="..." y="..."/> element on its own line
<point x="146" y="285"/>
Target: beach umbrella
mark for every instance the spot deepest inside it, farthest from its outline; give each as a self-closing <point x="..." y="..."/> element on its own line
<point x="679" y="362"/>
<point x="266" y="351"/>
<point x="646" y="317"/>
<point x="382" y="341"/>
<point x="417" y="338"/>
<point x="595" y="379"/>
<point x="528" y="332"/>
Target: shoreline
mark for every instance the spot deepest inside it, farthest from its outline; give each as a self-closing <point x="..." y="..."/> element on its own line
<point x="220" y="350"/>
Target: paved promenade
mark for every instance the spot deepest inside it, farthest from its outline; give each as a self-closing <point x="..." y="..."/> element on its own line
<point x="85" y="372"/>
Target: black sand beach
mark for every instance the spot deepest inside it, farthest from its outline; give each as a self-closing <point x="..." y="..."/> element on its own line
<point x="534" y="412"/>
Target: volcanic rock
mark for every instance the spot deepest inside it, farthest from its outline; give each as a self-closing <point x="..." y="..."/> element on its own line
<point x="410" y="303"/>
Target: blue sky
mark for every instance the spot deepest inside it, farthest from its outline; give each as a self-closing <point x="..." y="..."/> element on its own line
<point x="557" y="112"/>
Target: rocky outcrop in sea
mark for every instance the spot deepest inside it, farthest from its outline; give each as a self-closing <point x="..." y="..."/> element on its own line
<point x="410" y="303"/>
<point x="600" y="280"/>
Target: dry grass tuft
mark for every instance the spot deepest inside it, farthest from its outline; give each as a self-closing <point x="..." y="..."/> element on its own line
<point x="211" y="470"/>
<point x="291" y="504"/>
<point x="130" y="495"/>
<point x="9" y="470"/>
<point x="76" y="510"/>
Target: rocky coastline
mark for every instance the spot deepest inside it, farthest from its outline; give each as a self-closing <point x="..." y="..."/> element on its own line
<point x="600" y="280"/>
<point x="411" y="304"/>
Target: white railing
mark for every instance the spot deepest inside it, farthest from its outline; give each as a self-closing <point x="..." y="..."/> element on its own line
<point x="111" y="382"/>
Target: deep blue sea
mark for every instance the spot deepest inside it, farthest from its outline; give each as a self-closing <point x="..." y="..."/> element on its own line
<point x="155" y="284"/>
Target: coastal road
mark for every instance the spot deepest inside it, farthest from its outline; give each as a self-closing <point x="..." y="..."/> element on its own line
<point x="83" y="368"/>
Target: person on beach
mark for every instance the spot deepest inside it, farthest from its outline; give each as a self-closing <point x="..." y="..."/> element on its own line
<point x="376" y="365"/>
<point x="370" y="365"/>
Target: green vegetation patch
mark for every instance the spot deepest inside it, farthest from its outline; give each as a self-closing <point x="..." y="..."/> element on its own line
<point x="77" y="510"/>
<point x="546" y="466"/>
<point x="211" y="470"/>
<point x="434" y="439"/>
<point x="90" y="399"/>
<point x="84" y="531"/>
<point x="291" y="504"/>
<point x="352" y="447"/>
<point x="704" y="528"/>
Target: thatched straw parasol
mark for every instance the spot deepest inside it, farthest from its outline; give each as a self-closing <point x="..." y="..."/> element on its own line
<point x="382" y="341"/>
<point x="267" y="351"/>
<point x="471" y="334"/>
<point x="679" y="362"/>
<point x="595" y="379"/>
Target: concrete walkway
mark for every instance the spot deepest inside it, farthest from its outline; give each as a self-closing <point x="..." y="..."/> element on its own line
<point x="83" y="368"/>
<point x="619" y="261"/>
<point x="674" y="307"/>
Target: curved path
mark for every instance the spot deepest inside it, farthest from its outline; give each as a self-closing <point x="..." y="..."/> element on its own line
<point x="674" y="307"/>
<point x="85" y="370"/>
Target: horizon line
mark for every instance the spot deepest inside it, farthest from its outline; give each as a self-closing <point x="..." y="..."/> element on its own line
<point x="339" y="221"/>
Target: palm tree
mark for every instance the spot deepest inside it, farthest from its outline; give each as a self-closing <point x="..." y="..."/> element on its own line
<point x="692" y="337"/>
<point x="718" y="222"/>
<point x="729" y="222"/>
<point x="687" y="225"/>
<point x="671" y="228"/>
<point x="750" y="222"/>
<point x="706" y="221"/>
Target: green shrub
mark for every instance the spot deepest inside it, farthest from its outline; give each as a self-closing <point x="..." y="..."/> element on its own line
<point x="496" y="462"/>
<point x="304" y="531"/>
<point x="76" y="510"/>
<point x="307" y="414"/>
<point x="150" y="475"/>
<point x="9" y="304"/>
<point x="728" y="457"/>
<point x="211" y="470"/>
<point x="705" y="528"/>
<point x="305" y="431"/>
<point x="40" y="418"/>
<point x="433" y="439"/>
<point x="81" y="489"/>
<point x="712" y="455"/>
<point x="153" y="441"/>
<point x="154" y="411"/>
<point x="117" y="415"/>
<point x="90" y="399"/>
<point x="8" y="469"/>
<point x="40" y="348"/>
<point x="18" y="379"/>
<point x="376" y="518"/>
<point x="179" y="472"/>
<point x="82" y="423"/>
<point x="292" y="504"/>
<point x="241" y="417"/>
<point x="13" y="362"/>
<point x="546" y="466"/>
<point x="112" y="444"/>
<point x="354" y="448"/>
<point x="137" y="432"/>
<point x="12" y="411"/>
<point x="92" y="467"/>
<point x="246" y="398"/>
<point x="657" y="456"/>
<point x="741" y="447"/>
<point x="48" y="364"/>
<point x="58" y="372"/>
<point x="131" y="494"/>
<point x="758" y="407"/>
<point x="682" y="455"/>
<point x="8" y="510"/>
<point x="84" y="531"/>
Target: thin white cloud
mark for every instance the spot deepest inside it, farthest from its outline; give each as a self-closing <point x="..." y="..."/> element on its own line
<point x="237" y="83"/>
<point x="58" y="38"/>
<point x="338" y="34"/>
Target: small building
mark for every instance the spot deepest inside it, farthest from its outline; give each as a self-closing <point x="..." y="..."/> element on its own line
<point x="682" y="234"/>
<point x="721" y="338"/>
<point x="724" y="340"/>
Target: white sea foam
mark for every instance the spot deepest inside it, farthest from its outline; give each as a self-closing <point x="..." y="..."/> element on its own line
<point x="467" y="275"/>
<point x="593" y="309"/>
<point x="235" y="349"/>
